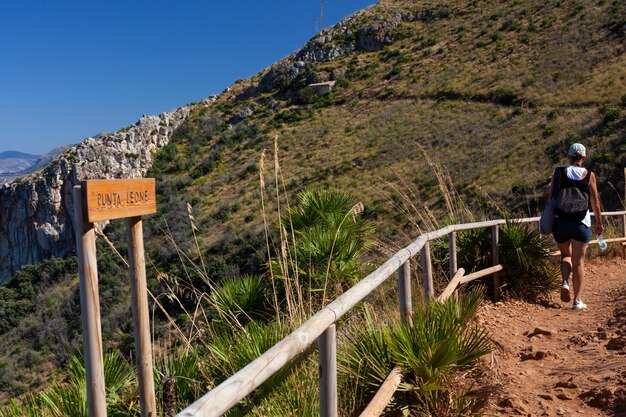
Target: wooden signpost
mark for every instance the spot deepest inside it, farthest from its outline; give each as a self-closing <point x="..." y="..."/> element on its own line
<point x="97" y="200"/>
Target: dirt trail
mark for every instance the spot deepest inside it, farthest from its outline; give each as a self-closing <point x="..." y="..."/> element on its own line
<point x="555" y="361"/>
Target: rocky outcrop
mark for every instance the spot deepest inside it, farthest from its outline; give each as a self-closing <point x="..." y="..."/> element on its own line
<point x="358" y="33"/>
<point x="36" y="212"/>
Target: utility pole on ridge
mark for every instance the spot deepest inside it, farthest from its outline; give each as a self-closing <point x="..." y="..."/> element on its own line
<point x="322" y="14"/>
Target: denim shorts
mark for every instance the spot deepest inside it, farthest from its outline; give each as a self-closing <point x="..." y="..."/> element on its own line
<point x="565" y="230"/>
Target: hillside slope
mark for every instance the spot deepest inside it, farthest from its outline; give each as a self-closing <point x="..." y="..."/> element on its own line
<point x="494" y="92"/>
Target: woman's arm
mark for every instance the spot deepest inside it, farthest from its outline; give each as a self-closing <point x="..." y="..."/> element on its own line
<point x="595" y="203"/>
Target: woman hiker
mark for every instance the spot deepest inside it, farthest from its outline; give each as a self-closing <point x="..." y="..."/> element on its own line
<point x="574" y="189"/>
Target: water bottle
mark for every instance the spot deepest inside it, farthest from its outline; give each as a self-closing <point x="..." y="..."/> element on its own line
<point x="602" y="242"/>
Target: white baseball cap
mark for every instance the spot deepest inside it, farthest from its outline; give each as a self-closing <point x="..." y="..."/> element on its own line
<point x="577" y="149"/>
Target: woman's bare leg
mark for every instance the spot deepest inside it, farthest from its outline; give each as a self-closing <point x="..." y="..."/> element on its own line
<point x="566" y="259"/>
<point x="566" y="268"/>
<point x="578" y="261"/>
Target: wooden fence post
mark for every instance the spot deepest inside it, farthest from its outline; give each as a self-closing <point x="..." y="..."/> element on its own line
<point x="404" y="290"/>
<point x="624" y="218"/>
<point x="141" y="319"/>
<point x="427" y="272"/>
<point x="495" y="254"/>
<point x="452" y="248"/>
<point x="327" y="346"/>
<point x="90" y="308"/>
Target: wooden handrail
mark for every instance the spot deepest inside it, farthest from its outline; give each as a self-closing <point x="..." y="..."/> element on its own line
<point x="481" y="273"/>
<point x="384" y="394"/>
<point x="221" y="398"/>
<point x="451" y="287"/>
<point x="227" y="394"/>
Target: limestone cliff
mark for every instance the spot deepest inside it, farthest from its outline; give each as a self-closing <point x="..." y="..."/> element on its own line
<point x="36" y="211"/>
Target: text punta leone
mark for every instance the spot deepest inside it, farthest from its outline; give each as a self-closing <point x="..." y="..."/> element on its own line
<point x="117" y="199"/>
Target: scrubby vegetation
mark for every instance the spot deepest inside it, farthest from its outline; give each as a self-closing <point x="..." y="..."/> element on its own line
<point x="319" y="251"/>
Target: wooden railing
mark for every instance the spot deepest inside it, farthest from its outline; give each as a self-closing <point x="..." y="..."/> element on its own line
<point x="322" y="326"/>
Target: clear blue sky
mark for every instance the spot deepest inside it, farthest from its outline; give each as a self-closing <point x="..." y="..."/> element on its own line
<point x="70" y="69"/>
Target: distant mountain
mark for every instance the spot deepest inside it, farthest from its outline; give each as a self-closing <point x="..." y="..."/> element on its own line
<point x="46" y="159"/>
<point x="15" y="162"/>
<point x="18" y="155"/>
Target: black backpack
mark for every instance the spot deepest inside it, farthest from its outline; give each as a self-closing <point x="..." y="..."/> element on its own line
<point x="571" y="197"/>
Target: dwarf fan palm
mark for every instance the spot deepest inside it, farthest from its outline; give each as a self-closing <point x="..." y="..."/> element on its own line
<point x="70" y="400"/>
<point x="183" y="370"/>
<point x="442" y="341"/>
<point x="240" y="299"/>
<point x="330" y="236"/>
<point x="525" y="254"/>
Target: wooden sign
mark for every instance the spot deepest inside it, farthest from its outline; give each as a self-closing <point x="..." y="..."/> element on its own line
<point x="116" y="199"/>
<point x="96" y="200"/>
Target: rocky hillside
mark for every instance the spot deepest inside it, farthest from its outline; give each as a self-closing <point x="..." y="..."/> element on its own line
<point x="36" y="210"/>
<point x="492" y="92"/>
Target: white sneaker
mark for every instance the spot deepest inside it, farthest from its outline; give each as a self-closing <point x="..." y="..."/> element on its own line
<point x="579" y="305"/>
<point x="565" y="292"/>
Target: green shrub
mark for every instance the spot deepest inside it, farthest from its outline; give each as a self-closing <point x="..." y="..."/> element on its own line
<point x="241" y="299"/>
<point x="525" y="255"/>
<point x="251" y="342"/>
<point x="365" y="361"/>
<point x="442" y="12"/>
<point x="396" y="70"/>
<point x="324" y="101"/>
<point x="518" y="189"/>
<point x="342" y="82"/>
<point x="330" y="237"/>
<point x="578" y="7"/>
<point x="293" y="397"/>
<point x="606" y="157"/>
<point x="548" y="130"/>
<point x="18" y="296"/>
<point x="557" y="150"/>
<point x="306" y="95"/>
<point x="610" y="113"/>
<point x="442" y="343"/>
<point x="427" y="42"/>
<point x="289" y="116"/>
<point x="505" y="96"/>
<point x="70" y="399"/>
<point x="389" y="53"/>
<point x="358" y="73"/>
<point x="474" y="249"/>
<point x="183" y="369"/>
<point x="207" y="165"/>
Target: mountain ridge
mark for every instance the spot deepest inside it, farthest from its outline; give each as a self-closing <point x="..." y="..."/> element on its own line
<point x="17" y="154"/>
